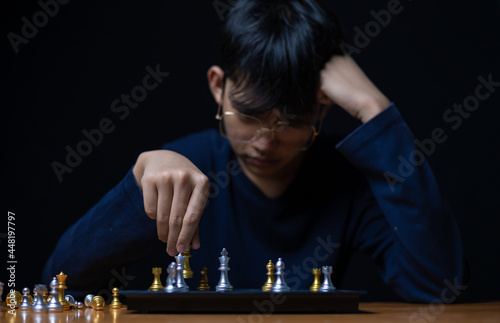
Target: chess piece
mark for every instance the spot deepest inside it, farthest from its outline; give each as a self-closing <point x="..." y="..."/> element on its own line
<point x="180" y="283"/>
<point x="316" y="282"/>
<point x="203" y="280"/>
<point x="156" y="286"/>
<point x="33" y="302"/>
<point x="39" y="305"/>
<point x="71" y="300"/>
<point x="97" y="303"/>
<point x="88" y="299"/>
<point x="270" y="277"/>
<point x="327" y="285"/>
<point x="25" y="303"/>
<point x="61" y="278"/>
<point x="115" y="303"/>
<point x="280" y="285"/>
<point x="171" y="270"/>
<point x="14" y="298"/>
<point x="187" y="272"/>
<point x="54" y="305"/>
<point x="224" y="285"/>
<point x="79" y="305"/>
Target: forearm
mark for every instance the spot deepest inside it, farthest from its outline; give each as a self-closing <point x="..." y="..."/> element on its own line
<point x="114" y="232"/>
<point x="426" y="246"/>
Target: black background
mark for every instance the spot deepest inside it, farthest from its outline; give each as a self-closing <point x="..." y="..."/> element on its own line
<point x="64" y="79"/>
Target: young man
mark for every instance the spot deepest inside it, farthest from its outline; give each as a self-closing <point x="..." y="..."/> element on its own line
<point x="267" y="184"/>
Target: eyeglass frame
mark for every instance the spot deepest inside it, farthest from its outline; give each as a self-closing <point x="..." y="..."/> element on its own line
<point x="262" y="129"/>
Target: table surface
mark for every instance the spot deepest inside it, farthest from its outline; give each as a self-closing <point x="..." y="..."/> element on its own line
<point x="370" y="312"/>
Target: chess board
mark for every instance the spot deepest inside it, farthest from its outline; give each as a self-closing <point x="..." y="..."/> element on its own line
<point x="249" y="301"/>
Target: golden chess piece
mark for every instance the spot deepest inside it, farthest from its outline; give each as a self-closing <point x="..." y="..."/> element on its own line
<point x="316" y="283"/>
<point x="115" y="303"/>
<point x="156" y="286"/>
<point x="187" y="272"/>
<point x="270" y="277"/>
<point x="46" y="297"/>
<point x="97" y="303"/>
<point x="61" y="279"/>
<point x="16" y="299"/>
<point x="203" y="280"/>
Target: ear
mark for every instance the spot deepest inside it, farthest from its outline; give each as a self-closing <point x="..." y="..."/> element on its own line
<point x="215" y="77"/>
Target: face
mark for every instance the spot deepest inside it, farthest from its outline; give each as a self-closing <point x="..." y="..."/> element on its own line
<point x="277" y="143"/>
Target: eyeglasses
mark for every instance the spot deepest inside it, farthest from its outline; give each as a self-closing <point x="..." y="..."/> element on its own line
<point x="247" y="129"/>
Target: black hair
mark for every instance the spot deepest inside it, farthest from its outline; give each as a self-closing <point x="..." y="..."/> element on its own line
<point x="273" y="51"/>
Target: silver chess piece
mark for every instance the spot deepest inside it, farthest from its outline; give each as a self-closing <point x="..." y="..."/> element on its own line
<point x="39" y="305"/>
<point x="25" y="303"/>
<point x="180" y="283"/>
<point x="170" y="283"/>
<point x="88" y="300"/>
<point x="327" y="285"/>
<point x="78" y="305"/>
<point x="71" y="300"/>
<point x="280" y="285"/>
<point x="224" y="285"/>
<point x="54" y="304"/>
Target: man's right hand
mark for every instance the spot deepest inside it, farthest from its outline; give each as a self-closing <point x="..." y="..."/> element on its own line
<point x="175" y="193"/>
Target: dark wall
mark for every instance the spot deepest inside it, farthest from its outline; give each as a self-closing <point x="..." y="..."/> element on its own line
<point x="66" y="75"/>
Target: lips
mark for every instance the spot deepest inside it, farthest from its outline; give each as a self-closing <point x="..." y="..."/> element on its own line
<point x="262" y="162"/>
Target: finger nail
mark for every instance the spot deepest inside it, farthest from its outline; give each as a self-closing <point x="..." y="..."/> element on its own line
<point x="181" y="248"/>
<point x="172" y="252"/>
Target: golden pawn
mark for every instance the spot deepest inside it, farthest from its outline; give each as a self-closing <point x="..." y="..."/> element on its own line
<point x="156" y="286"/>
<point x="14" y="300"/>
<point x="270" y="277"/>
<point x="187" y="272"/>
<point x="203" y="280"/>
<point x="316" y="283"/>
<point x="115" y="303"/>
<point x="97" y="303"/>
<point x="61" y="279"/>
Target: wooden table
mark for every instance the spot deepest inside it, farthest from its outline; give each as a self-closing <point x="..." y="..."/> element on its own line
<point x="371" y="312"/>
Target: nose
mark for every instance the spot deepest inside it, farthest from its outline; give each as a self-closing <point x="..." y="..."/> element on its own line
<point x="264" y="140"/>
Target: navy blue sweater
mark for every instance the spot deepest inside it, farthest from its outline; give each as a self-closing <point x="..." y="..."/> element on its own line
<point x="363" y="194"/>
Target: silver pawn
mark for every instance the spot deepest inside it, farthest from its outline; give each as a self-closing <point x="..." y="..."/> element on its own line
<point x="78" y="305"/>
<point x="224" y="285"/>
<point x="170" y="284"/>
<point x="280" y="285"/>
<point x="327" y="285"/>
<point x="54" y="304"/>
<point x="71" y="300"/>
<point x="25" y="304"/>
<point x="180" y="283"/>
<point x="39" y="305"/>
<point x="88" y="299"/>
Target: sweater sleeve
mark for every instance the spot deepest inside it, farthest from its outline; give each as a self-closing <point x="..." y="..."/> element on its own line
<point x="114" y="231"/>
<point x="418" y="246"/>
